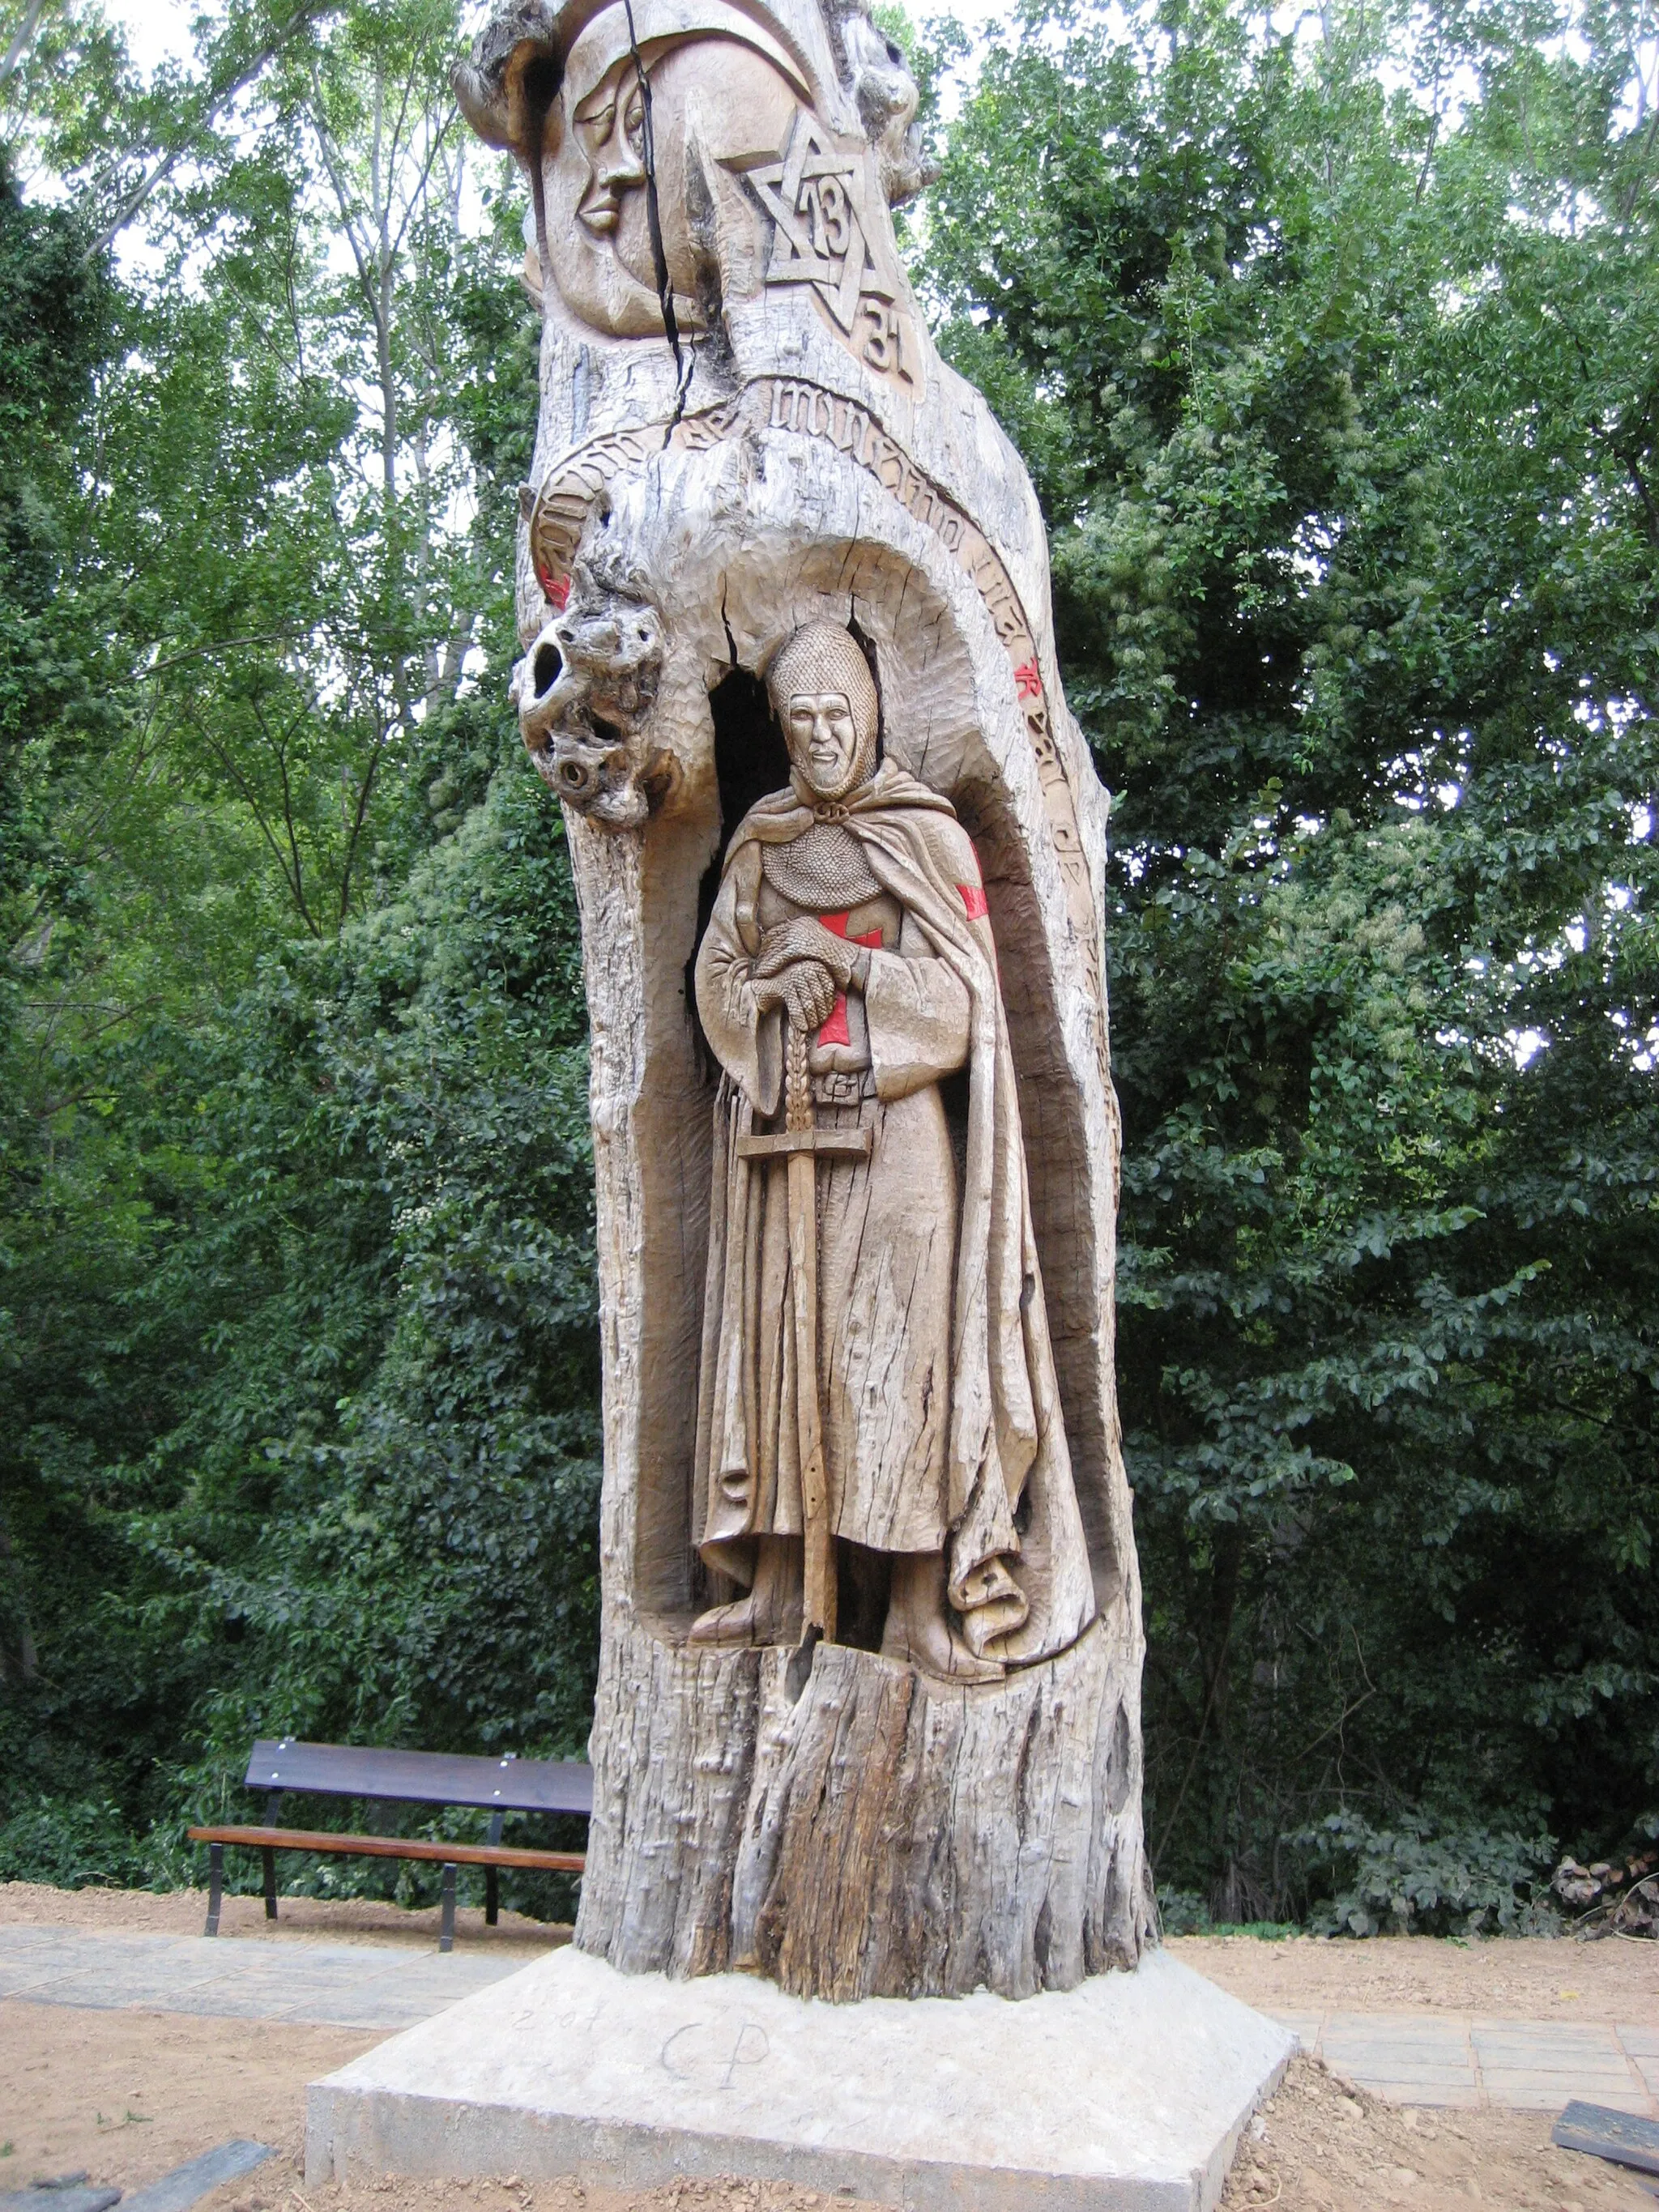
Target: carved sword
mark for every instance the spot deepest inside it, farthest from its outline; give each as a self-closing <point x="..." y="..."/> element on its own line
<point x="802" y="1144"/>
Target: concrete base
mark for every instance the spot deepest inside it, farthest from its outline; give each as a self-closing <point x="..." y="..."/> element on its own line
<point x="1126" y="2094"/>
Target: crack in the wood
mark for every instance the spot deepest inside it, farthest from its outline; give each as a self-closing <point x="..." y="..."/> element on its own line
<point x="798" y="1672"/>
<point x="730" y="641"/>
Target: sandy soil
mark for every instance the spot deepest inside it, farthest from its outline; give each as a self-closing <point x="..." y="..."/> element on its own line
<point x="1322" y="2145"/>
<point x="1521" y="1977"/>
<point x="301" y="1919"/>
<point x="126" y="2095"/>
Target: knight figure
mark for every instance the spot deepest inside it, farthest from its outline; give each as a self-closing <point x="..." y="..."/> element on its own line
<point x="852" y="937"/>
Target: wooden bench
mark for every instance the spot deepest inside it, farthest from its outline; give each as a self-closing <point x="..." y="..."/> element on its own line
<point x="499" y="1786"/>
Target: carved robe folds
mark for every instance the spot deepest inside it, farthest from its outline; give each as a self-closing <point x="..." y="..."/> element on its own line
<point x="941" y="1416"/>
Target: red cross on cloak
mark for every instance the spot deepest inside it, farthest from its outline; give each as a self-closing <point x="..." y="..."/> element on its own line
<point x="834" y="1031"/>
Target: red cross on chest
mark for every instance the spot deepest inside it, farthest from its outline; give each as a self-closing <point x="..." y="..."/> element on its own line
<point x="834" y="1031"/>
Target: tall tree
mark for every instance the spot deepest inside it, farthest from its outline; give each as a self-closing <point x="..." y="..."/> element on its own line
<point x="298" y="1378"/>
<point x="1333" y="355"/>
<point x="53" y="330"/>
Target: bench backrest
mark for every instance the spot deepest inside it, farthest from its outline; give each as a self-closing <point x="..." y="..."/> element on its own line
<point x="422" y="1778"/>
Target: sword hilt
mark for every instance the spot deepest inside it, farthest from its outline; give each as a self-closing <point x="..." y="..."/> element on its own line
<point x="800" y="1132"/>
<point x="797" y="1079"/>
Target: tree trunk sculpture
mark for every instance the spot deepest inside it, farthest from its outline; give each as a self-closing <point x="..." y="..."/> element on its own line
<point x="868" y="1711"/>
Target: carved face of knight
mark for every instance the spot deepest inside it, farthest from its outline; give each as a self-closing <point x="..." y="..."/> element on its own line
<point x="825" y="698"/>
<point x="823" y="741"/>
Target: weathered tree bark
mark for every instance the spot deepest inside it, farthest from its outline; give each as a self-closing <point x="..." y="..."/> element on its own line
<point x="844" y="1823"/>
<point x="864" y="1831"/>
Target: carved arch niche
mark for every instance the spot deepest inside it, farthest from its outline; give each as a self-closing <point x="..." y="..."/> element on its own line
<point x="719" y="621"/>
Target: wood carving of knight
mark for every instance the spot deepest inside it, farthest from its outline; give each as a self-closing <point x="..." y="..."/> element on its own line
<point x="880" y="1450"/>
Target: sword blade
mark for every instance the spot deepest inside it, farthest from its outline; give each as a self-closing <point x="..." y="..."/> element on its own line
<point x="819" y="1542"/>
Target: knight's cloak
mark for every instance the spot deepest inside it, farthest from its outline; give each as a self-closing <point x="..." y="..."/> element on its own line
<point x="1006" y="1509"/>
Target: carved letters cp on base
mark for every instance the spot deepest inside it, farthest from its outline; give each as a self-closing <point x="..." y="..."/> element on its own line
<point x="868" y="1710"/>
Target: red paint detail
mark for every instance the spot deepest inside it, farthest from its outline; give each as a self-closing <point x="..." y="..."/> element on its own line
<point x="834" y="1031"/>
<point x="1027" y="684"/>
<point x="973" y="898"/>
<point x="555" y="589"/>
<point x="836" y="926"/>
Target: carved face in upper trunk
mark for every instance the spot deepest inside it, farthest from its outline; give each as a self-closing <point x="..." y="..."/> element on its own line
<point x="731" y="93"/>
<point x="772" y="134"/>
<point x="610" y="128"/>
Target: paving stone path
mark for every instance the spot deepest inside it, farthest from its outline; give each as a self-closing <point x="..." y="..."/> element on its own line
<point x="333" y="1984"/>
<point x="1459" y="2059"/>
<point x="1412" y="2058"/>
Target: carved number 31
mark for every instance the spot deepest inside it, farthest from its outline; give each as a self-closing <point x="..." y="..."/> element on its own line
<point x="884" y="343"/>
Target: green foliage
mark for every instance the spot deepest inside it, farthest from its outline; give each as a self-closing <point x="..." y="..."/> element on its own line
<point x="366" y="1510"/>
<point x="71" y="1843"/>
<point x="1339" y="401"/>
<point x="1418" y="1880"/>
<point x="53" y="330"/>
<point x="1184" y="1913"/>
<point x="298" y="1353"/>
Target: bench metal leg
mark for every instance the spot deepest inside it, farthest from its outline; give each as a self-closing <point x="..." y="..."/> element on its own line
<point x="446" y="1924"/>
<point x="492" y="1896"/>
<point x="215" y="1887"/>
<point x="270" y="1883"/>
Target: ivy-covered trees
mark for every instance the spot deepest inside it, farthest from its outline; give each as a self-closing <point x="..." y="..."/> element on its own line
<point x="1333" y="354"/>
<point x="1332" y="349"/>
<point x="298" y="1364"/>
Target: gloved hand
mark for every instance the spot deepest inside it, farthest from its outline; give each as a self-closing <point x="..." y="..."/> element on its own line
<point x="806" y="939"/>
<point x="806" y="991"/>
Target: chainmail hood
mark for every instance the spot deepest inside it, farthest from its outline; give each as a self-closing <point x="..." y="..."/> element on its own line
<point x="820" y="657"/>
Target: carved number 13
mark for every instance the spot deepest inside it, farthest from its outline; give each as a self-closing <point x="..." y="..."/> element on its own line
<point x="824" y="201"/>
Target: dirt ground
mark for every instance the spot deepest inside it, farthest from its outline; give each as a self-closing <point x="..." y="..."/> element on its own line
<point x="1320" y="2145"/>
<point x="1521" y="1977"/>
<point x="126" y="2095"/>
<point x="129" y="2095"/>
<point x="302" y="1919"/>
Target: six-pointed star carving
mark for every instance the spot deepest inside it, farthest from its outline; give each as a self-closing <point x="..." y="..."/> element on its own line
<point x="781" y="188"/>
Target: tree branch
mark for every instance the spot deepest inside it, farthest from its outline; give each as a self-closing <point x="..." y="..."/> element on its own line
<point x="279" y="746"/>
<point x="148" y="184"/>
<point x="22" y="38"/>
<point x="228" y="760"/>
<point x="355" y="834"/>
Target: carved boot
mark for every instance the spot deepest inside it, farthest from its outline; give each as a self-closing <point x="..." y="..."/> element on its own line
<point x="769" y="1612"/>
<point x="919" y="1631"/>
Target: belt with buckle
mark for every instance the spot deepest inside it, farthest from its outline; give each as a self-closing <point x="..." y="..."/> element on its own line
<point x="843" y="1086"/>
